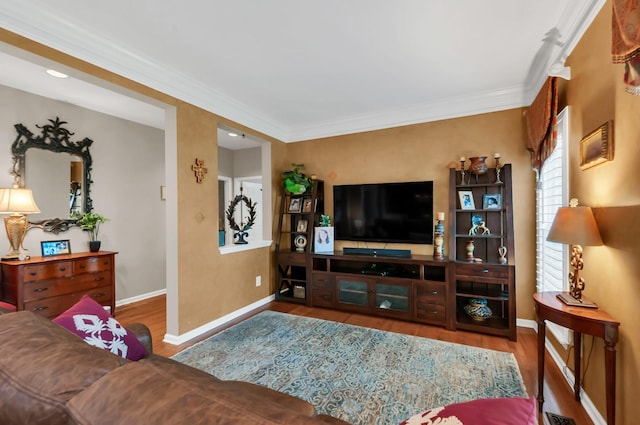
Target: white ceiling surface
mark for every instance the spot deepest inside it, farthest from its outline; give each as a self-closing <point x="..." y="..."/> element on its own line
<point x="301" y="69"/>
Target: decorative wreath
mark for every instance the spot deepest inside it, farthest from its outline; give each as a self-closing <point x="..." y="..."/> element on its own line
<point x="251" y="207"/>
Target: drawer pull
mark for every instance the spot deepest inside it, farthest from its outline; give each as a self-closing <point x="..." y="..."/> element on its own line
<point x="434" y="293"/>
<point x="40" y="308"/>
<point x="33" y="273"/>
<point x="41" y="289"/>
<point x="434" y="312"/>
<point x="63" y="269"/>
<point x="100" y="294"/>
<point x="485" y="271"/>
<point x="98" y="279"/>
<point x="82" y="266"/>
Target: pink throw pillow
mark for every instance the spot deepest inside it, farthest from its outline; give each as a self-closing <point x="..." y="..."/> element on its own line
<point x="94" y="325"/>
<point x="494" y="411"/>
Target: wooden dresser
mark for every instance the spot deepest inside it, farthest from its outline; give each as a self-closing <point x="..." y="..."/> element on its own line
<point x="50" y="285"/>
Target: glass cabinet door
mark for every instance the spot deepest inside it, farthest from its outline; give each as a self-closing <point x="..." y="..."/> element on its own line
<point x="392" y="297"/>
<point x="353" y="292"/>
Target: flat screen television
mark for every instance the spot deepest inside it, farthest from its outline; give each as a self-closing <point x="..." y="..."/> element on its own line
<point x="384" y="212"/>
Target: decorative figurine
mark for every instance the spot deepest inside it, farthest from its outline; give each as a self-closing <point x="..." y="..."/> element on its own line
<point x="502" y="251"/>
<point x="438" y="238"/>
<point x="477" y="225"/>
<point x="462" y="170"/>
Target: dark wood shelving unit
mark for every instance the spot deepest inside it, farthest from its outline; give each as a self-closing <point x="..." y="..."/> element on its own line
<point x="484" y="276"/>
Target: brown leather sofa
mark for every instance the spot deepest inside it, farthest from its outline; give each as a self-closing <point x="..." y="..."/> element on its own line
<point x="50" y="376"/>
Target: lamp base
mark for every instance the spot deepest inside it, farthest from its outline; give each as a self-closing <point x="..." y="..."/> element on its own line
<point x="566" y="298"/>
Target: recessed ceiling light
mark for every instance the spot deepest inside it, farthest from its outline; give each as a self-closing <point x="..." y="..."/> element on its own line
<point x="56" y="74"/>
<point x="233" y="134"/>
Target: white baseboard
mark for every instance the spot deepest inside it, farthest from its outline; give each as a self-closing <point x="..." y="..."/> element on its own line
<point x="201" y="330"/>
<point x="140" y="297"/>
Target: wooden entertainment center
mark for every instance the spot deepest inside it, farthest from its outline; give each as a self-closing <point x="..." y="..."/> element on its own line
<point x="411" y="287"/>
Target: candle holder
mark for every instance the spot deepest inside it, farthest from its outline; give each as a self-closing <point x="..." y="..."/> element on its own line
<point x="498" y="181"/>
<point x="438" y="241"/>
<point x="462" y="171"/>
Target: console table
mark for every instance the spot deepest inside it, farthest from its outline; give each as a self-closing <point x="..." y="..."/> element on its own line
<point x="592" y="321"/>
<point x="50" y="285"/>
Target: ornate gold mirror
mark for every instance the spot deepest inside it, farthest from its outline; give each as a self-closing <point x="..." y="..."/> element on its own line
<point x="57" y="170"/>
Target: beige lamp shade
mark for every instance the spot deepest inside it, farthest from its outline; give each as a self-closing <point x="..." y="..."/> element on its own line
<point x="575" y="225"/>
<point x="17" y="201"/>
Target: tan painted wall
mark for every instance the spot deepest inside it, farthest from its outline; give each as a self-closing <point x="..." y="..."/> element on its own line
<point x="612" y="272"/>
<point x="423" y="152"/>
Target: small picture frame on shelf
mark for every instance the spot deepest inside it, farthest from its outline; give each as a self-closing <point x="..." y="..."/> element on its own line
<point x="466" y="200"/>
<point x="295" y="205"/>
<point x="302" y="226"/>
<point x="306" y="205"/>
<point x="491" y="201"/>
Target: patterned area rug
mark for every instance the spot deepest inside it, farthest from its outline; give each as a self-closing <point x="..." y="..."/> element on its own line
<point x="361" y="375"/>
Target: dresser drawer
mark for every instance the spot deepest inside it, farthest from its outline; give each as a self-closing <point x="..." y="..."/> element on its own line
<point x="51" y="288"/>
<point x="431" y="293"/>
<point x="482" y="270"/>
<point x="93" y="264"/>
<point x="34" y="272"/>
<point x="432" y="313"/>
<point x="54" y="306"/>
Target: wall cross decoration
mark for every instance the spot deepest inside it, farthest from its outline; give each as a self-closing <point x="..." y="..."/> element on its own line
<point x="199" y="170"/>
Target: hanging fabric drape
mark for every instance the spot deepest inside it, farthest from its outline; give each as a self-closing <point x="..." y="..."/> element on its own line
<point x="625" y="41"/>
<point x="541" y="124"/>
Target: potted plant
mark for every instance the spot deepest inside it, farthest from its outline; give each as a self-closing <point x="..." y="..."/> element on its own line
<point x="295" y="182"/>
<point x="90" y="222"/>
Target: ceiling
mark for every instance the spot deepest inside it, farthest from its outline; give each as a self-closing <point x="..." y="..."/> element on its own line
<point x="296" y="69"/>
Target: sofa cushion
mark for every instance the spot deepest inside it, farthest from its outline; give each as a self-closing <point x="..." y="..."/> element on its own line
<point x="494" y="411"/>
<point x="167" y="392"/>
<point x="42" y="366"/>
<point x="95" y="326"/>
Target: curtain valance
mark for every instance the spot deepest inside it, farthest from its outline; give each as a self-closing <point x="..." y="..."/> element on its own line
<point x="541" y="123"/>
<point x="625" y="41"/>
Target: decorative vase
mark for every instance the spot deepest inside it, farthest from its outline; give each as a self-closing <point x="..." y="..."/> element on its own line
<point x="478" y="309"/>
<point x="478" y="165"/>
<point x="469" y="249"/>
<point x="94" y="246"/>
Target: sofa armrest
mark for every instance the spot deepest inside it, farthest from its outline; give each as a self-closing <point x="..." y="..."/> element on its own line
<point x="142" y="332"/>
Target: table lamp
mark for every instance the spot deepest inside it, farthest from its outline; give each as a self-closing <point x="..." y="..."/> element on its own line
<point x="17" y="202"/>
<point x="575" y="226"/>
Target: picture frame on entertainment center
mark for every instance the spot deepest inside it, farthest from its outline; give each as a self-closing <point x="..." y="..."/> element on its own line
<point x="491" y="201"/>
<point x="323" y="240"/>
<point x="466" y="200"/>
<point x="302" y="226"/>
<point x="295" y="205"/>
<point x="306" y="205"/>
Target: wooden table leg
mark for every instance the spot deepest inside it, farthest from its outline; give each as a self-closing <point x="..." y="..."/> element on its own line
<point x="610" y="341"/>
<point x="541" y="341"/>
<point x="577" y="349"/>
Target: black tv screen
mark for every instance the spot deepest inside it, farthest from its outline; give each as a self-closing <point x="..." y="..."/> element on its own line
<point x="384" y="212"/>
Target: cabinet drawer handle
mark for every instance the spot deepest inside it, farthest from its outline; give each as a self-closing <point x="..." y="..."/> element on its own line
<point x="33" y="273"/>
<point x="485" y="271"/>
<point x="41" y="289"/>
<point x="98" y="279"/>
<point x="434" y="293"/>
<point x="40" y="308"/>
<point x="100" y="294"/>
<point x="63" y="269"/>
<point x="434" y="312"/>
<point x="82" y="266"/>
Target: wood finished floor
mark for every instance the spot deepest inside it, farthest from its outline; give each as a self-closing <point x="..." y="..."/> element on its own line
<point x="558" y="395"/>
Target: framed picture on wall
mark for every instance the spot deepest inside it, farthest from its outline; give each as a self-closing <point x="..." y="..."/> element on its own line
<point x="597" y="147"/>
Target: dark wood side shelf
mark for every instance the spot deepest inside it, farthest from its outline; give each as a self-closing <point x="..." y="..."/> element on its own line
<point x="50" y="285"/>
<point x="484" y="277"/>
<point x="414" y="289"/>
